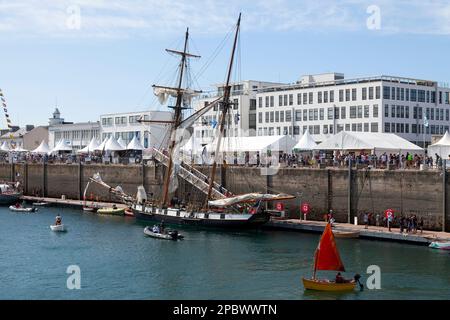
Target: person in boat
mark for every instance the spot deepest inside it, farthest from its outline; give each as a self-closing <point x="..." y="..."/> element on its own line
<point x="114" y="207"/>
<point x="18" y="205"/>
<point x="162" y="227"/>
<point x="341" y="279"/>
<point x="155" y="229"/>
<point x="58" y="221"/>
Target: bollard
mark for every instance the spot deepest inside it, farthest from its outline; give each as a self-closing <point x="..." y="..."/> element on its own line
<point x="356" y="221"/>
<point x="304" y="217"/>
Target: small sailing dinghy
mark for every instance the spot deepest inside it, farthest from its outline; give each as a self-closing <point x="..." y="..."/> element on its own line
<point x="168" y="235"/>
<point x="440" y="245"/>
<point x="327" y="259"/>
<point x="58" y="228"/>
<point x="22" y="209"/>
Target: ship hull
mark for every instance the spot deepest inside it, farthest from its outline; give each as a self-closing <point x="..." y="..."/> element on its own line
<point x="10" y="198"/>
<point x="211" y="220"/>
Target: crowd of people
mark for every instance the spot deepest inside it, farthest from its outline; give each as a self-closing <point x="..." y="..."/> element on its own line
<point x="406" y="224"/>
<point x="68" y="158"/>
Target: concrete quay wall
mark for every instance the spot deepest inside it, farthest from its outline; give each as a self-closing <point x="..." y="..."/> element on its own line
<point x="348" y="193"/>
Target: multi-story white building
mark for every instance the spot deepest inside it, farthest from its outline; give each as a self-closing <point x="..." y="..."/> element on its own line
<point x="127" y="126"/>
<point x="77" y="135"/>
<point x="328" y="103"/>
<point x="242" y="116"/>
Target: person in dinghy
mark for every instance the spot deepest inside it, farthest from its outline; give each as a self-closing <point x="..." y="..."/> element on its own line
<point x="58" y="220"/>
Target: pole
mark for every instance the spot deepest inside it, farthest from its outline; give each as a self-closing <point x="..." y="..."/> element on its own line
<point x="349" y="197"/>
<point x="444" y="194"/>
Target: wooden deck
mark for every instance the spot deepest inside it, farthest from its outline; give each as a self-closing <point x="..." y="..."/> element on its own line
<point x="71" y="203"/>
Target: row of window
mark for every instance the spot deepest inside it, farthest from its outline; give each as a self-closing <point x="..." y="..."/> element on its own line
<point x="84" y="135"/>
<point x="415" y="128"/>
<point x="318" y="114"/>
<point x="120" y="121"/>
<point x="397" y="111"/>
<point x="304" y="98"/>
<point x="415" y="95"/>
<point x="318" y="129"/>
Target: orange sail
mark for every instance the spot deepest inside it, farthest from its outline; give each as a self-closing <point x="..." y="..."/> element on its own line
<point x="327" y="255"/>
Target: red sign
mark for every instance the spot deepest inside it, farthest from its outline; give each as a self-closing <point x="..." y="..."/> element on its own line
<point x="389" y="213"/>
<point x="305" y="208"/>
<point x="280" y="206"/>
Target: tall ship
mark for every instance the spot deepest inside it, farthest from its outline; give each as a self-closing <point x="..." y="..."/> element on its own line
<point x="220" y="208"/>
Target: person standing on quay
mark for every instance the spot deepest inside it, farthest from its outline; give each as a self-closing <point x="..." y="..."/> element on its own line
<point x="366" y="220"/>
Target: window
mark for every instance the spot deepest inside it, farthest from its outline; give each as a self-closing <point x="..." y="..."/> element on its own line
<point x="366" y="127"/>
<point x="336" y="112"/>
<point x="387" y="127"/>
<point x="288" y="115"/>
<point x="377" y="92"/>
<point x="305" y="98"/>
<point x="330" y="114"/>
<point x="316" y="114"/>
<point x="299" y="98"/>
<point x="393" y="93"/>
<point x="343" y="113"/>
<point x="277" y="116"/>
<point x="366" y="112"/>
<point x="267" y="102"/>
<point x="353" y="112"/>
<point x="298" y="115"/>
<point x="280" y="101"/>
<point x="421" y="95"/>
<point x="272" y="103"/>
<point x="325" y="96"/>
<point x="360" y="112"/>
<point x="407" y="94"/>
<point x="393" y="111"/>
<point x="339" y="128"/>
<point x="311" y="114"/>
<point x="375" y="111"/>
<point x="291" y="99"/>
<point x="386" y="92"/>
<point x="272" y="116"/>
<point x="386" y="110"/>
<point x="364" y="93"/>
<point x="325" y="129"/>
<point x="296" y="130"/>
<point x="305" y="115"/>
<point x="260" y="117"/>
<point x="407" y="112"/>
<point x="347" y="127"/>
<point x="321" y="114"/>
<point x="281" y="116"/>
<point x="370" y="93"/>
<point x="319" y="97"/>
<point x="331" y="96"/>
<point x="347" y="94"/>
<point x="285" y="100"/>
<point x="374" y="127"/>
<point x="341" y="95"/>
<point x="433" y="96"/>
<point x="266" y="118"/>
<point x="252" y="104"/>
<point x="413" y="95"/>
<point x="353" y="94"/>
<point x="310" y="98"/>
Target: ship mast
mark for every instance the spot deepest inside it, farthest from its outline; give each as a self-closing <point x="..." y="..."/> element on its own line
<point x="178" y="108"/>
<point x="225" y="108"/>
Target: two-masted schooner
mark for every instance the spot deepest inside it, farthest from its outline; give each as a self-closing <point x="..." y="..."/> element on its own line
<point x="221" y="208"/>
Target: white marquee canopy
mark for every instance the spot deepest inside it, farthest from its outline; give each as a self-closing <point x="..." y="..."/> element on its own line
<point x="378" y="143"/>
<point x="306" y="143"/>
<point x="135" y="144"/>
<point x="254" y="144"/>
<point x="441" y="148"/>
<point x="42" y="149"/>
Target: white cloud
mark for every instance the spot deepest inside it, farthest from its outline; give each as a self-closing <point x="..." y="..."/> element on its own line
<point x="117" y="18"/>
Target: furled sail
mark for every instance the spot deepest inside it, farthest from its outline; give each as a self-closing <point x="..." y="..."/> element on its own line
<point x="141" y="195"/>
<point x="249" y="198"/>
<point x="327" y="255"/>
<point x="163" y="94"/>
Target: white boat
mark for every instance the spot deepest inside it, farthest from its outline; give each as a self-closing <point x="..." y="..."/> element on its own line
<point x="440" y="245"/>
<point x="40" y="204"/>
<point x="169" y="235"/>
<point x="58" y="228"/>
<point x="22" y="209"/>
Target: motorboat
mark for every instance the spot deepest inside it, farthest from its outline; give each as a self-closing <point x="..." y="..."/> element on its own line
<point x="346" y="234"/>
<point x="40" y="204"/>
<point x="58" y="228"/>
<point x="167" y="235"/>
<point x="440" y="245"/>
<point x="9" y="194"/>
<point x="112" y="211"/>
<point x="90" y="209"/>
<point x="22" y="209"/>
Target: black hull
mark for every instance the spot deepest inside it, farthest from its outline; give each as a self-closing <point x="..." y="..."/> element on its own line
<point x="254" y="222"/>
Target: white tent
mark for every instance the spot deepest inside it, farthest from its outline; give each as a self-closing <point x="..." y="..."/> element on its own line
<point x="378" y="143"/>
<point x="306" y="143"/>
<point x="42" y="149"/>
<point x="5" y="147"/>
<point x="113" y="145"/>
<point x="61" y="146"/>
<point x="18" y="149"/>
<point x="91" y="147"/>
<point x="260" y="144"/>
<point x="102" y="145"/>
<point x="135" y="144"/>
<point x="441" y="148"/>
<point x="122" y="143"/>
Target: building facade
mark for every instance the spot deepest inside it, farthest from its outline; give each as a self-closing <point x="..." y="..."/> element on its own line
<point x="28" y="138"/>
<point x="326" y="104"/>
<point x="127" y="126"/>
<point x="242" y="116"/>
<point x="77" y="135"/>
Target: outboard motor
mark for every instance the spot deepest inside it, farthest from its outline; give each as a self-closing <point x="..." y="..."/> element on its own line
<point x="357" y="280"/>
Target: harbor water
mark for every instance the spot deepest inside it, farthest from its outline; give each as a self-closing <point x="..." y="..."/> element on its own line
<point x="117" y="261"/>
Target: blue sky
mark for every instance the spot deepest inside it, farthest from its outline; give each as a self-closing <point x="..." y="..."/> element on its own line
<point x="107" y="62"/>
